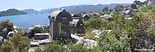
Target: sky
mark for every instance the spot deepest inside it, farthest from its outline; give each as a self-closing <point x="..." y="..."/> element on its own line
<point x="45" y="4"/>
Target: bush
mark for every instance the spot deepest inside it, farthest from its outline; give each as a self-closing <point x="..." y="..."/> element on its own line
<point x="18" y="43"/>
<point x="38" y="50"/>
<point x="54" y="47"/>
<point x="5" y="47"/>
<point x="93" y="23"/>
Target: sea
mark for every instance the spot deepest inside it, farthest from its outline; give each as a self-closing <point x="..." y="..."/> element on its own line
<point x="28" y="20"/>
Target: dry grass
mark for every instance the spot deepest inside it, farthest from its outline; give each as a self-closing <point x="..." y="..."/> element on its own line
<point x="89" y="34"/>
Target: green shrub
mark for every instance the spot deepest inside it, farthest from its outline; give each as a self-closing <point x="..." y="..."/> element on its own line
<point x="93" y="23"/>
<point x="54" y="47"/>
<point x="18" y="43"/>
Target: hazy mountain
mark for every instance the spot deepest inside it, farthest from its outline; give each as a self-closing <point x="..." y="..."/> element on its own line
<point x="11" y="12"/>
<point x="83" y="8"/>
<point x="48" y="10"/>
<point x="73" y="9"/>
<point x="30" y="11"/>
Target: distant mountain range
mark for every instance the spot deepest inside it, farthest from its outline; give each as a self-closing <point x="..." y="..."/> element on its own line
<point x="30" y="11"/>
<point x="72" y="9"/>
<point x="83" y="8"/>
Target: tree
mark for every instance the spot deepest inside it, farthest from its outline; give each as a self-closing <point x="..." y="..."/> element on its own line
<point x="93" y="22"/>
<point x="144" y="28"/>
<point x="118" y="8"/>
<point x="5" y="27"/>
<point x="117" y="40"/>
<point x="105" y="9"/>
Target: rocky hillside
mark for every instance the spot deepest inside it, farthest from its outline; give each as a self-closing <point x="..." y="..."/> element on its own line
<point x="30" y="11"/>
<point x="83" y="8"/>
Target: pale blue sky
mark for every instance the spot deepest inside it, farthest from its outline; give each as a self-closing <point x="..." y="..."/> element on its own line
<point x="44" y="4"/>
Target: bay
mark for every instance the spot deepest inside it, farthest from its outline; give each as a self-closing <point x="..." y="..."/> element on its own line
<point x="28" y="20"/>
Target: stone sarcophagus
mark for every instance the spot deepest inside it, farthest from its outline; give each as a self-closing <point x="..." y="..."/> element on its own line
<point x="59" y="24"/>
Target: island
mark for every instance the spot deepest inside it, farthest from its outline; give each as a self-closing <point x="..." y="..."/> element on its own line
<point x="11" y="12"/>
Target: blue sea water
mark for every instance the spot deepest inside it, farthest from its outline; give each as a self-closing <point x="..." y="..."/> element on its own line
<point x="28" y="20"/>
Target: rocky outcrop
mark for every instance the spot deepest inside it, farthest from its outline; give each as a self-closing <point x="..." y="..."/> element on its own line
<point x="87" y="42"/>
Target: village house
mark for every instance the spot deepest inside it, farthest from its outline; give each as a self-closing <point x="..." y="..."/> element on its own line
<point x="134" y="6"/>
<point x="76" y="16"/>
<point x="86" y="17"/>
<point x="59" y="24"/>
<point x="151" y="2"/>
<point x="105" y="16"/>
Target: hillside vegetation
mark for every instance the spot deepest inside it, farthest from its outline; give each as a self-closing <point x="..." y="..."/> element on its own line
<point x="126" y="34"/>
